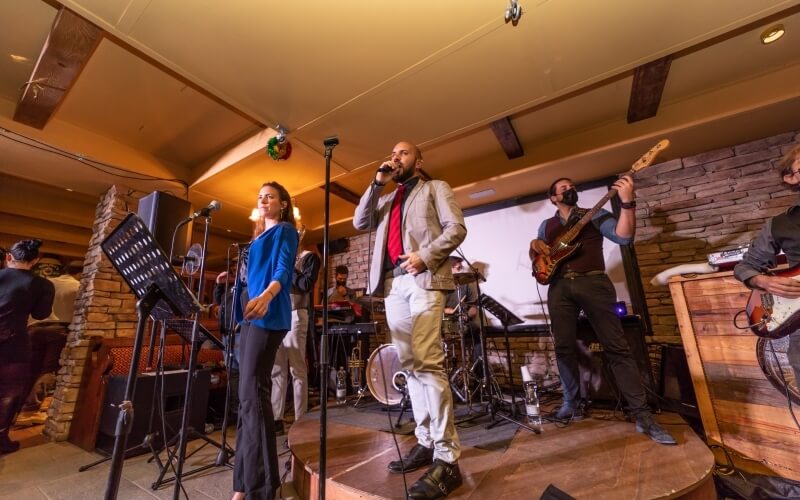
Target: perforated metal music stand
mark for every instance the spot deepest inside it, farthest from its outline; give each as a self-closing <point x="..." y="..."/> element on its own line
<point x="141" y="262"/>
<point x="507" y="318"/>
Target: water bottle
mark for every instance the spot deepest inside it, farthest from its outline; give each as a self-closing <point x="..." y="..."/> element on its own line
<point x="532" y="406"/>
<point x="341" y="386"/>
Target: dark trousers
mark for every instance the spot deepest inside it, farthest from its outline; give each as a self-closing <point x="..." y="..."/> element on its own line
<point x="596" y="296"/>
<point x="47" y="342"/>
<point x="15" y="358"/>
<point x="255" y="470"/>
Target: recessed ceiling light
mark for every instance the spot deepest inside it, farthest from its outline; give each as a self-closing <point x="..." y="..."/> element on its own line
<point x="482" y="194"/>
<point x="228" y="230"/>
<point x="68" y="189"/>
<point x="772" y="34"/>
<point x="18" y="59"/>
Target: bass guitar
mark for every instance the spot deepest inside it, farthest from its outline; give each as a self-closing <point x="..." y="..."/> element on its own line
<point x="562" y="248"/>
<point x="772" y="316"/>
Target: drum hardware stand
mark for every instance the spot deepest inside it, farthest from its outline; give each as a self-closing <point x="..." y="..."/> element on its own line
<point x="404" y="402"/>
<point x="488" y="382"/>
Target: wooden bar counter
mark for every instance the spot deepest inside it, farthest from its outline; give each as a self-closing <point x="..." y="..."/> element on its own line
<point x="740" y="409"/>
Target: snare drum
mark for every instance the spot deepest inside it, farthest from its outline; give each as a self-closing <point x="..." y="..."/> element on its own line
<point x="385" y="377"/>
<point x="450" y="328"/>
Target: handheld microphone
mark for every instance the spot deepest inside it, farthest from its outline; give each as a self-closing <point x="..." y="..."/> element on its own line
<point x="385" y="169"/>
<point x="205" y="212"/>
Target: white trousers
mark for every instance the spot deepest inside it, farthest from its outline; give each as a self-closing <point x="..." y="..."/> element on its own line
<point x="291" y="360"/>
<point x="414" y="317"/>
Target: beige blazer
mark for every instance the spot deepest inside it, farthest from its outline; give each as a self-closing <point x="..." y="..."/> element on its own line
<point x="433" y="226"/>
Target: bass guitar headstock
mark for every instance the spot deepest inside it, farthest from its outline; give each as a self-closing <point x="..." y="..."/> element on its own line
<point x="650" y="156"/>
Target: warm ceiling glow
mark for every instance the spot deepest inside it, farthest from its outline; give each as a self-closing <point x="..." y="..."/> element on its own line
<point x="18" y="59"/>
<point x="254" y="215"/>
<point x="772" y="34"/>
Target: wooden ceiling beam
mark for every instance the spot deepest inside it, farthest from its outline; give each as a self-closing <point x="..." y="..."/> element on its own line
<point x="648" y="86"/>
<point x="68" y="47"/>
<point x="343" y="193"/>
<point x="507" y="137"/>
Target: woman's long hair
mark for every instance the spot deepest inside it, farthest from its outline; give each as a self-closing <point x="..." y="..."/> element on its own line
<point x="287" y="214"/>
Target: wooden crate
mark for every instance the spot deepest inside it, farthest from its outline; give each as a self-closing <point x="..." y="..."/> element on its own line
<point x="739" y="407"/>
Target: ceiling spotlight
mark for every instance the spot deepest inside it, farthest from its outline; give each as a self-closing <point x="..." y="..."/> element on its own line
<point x="254" y="215"/>
<point x="296" y="213"/>
<point x="772" y="34"/>
<point x="513" y="12"/>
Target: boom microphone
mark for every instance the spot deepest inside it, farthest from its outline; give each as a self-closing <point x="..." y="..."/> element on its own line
<point x="205" y="212"/>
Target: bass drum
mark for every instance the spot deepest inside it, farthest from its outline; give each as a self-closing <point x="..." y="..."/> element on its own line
<point x="385" y="378"/>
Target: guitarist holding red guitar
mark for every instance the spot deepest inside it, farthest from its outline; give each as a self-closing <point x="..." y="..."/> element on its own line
<point x="568" y="254"/>
<point x="774" y="306"/>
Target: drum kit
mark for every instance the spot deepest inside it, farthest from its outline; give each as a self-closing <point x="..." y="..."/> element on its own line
<point x="386" y="379"/>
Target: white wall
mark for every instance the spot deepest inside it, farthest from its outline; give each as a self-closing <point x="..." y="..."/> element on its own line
<point x="497" y="243"/>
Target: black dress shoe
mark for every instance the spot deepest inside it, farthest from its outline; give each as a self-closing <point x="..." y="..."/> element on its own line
<point x="440" y="480"/>
<point x="418" y="457"/>
<point x="7" y="445"/>
<point x="647" y="425"/>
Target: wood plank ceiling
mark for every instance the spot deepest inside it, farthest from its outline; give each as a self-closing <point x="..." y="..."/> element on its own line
<point x="182" y="96"/>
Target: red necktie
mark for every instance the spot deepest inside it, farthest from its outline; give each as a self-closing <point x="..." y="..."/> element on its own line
<point x="394" y="243"/>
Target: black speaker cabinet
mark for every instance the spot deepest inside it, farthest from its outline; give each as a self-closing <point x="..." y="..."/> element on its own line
<point x="172" y="403"/>
<point x="597" y="381"/>
<point x="161" y="213"/>
<point x="676" y="386"/>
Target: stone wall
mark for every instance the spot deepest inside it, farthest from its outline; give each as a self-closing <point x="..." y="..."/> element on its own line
<point x="104" y="307"/>
<point x="690" y="207"/>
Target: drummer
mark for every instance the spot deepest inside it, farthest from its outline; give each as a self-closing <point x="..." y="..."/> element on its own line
<point x="462" y="301"/>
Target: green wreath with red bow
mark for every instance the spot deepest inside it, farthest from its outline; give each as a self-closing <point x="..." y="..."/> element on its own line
<point x="279" y="148"/>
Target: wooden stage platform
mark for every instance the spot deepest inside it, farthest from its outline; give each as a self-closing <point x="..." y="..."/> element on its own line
<point x="593" y="458"/>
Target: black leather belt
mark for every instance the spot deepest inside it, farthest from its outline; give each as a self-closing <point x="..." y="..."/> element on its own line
<point x="394" y="272"/>
<point x="571" y="275"/>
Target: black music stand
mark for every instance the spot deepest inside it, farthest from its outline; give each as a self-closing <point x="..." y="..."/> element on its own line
<point x="507" y="318"/>
<point x="162" y="294"/>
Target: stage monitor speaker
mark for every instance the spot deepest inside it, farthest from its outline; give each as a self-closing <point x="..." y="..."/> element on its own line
<point x="553" y="493"/>
<point x="597" y="381"/>
<point x="676" y="387"/>
<point x="161" y="213"/>
<point x="173" y="403"/>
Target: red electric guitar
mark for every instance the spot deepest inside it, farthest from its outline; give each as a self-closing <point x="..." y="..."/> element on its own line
<point x="545" y="266"/>
<point x="771" y="316"/>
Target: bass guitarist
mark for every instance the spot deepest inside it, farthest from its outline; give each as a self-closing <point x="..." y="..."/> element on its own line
<point x="580" y="283"/>
<point x="782" y="232"/>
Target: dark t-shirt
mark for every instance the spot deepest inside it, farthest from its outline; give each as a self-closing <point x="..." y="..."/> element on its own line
<point x="22" y="294"/>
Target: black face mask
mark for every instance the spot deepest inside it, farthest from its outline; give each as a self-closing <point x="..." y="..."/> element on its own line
<point x="570" y="197"/>
<point x="341" y="283"/>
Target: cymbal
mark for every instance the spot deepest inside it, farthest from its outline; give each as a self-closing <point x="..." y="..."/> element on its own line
<point x="464" y="278"/>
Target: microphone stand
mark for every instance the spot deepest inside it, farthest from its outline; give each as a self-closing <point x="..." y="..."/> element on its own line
<point x="330" y="143"/>
<point x="190" y="371"/>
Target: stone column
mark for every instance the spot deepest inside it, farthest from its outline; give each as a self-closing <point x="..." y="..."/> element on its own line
<point x="104" y="307"/>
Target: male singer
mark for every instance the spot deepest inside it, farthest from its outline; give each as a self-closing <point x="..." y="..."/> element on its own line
<point x="417" y="226"/>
